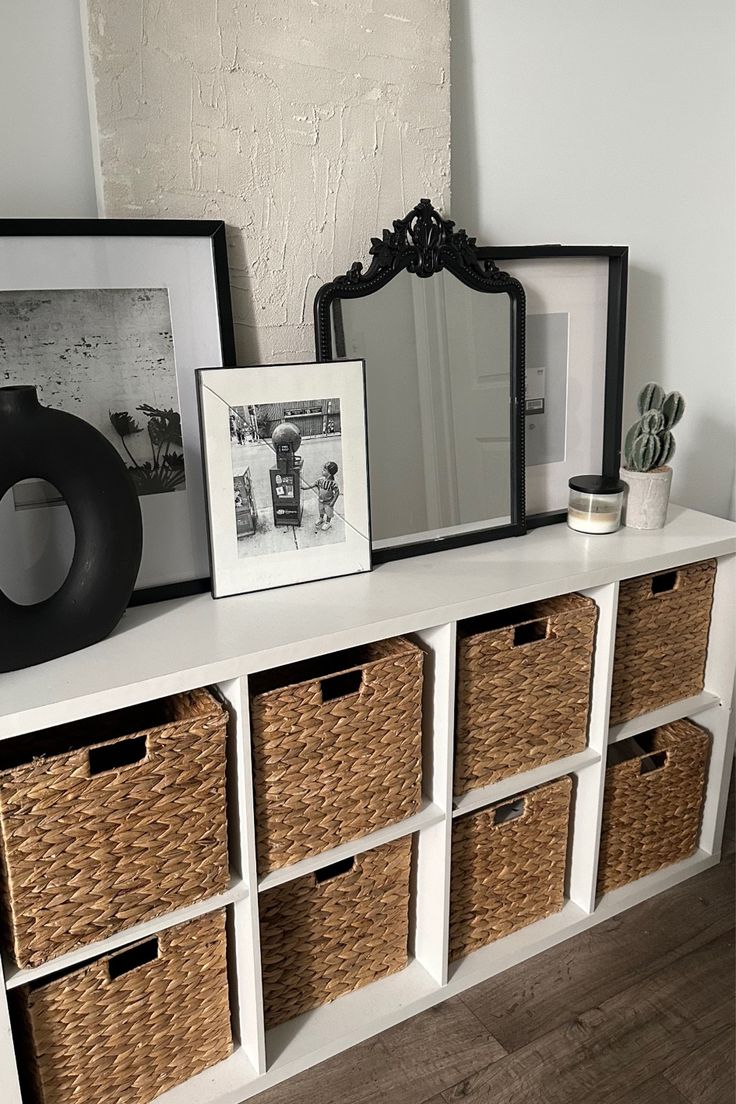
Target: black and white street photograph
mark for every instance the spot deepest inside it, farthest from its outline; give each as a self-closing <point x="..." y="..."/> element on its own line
<point x="106" y="355"/>
<point x="287" y="475"/>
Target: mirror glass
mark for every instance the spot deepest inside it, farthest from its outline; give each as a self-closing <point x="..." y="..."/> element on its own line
<point x="439" y="389"/>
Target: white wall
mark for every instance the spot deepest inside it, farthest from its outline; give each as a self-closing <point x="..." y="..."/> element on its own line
<point x="592" y="122"/>
<point x="46" y="168"/>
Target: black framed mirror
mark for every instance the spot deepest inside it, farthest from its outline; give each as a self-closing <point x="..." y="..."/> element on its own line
<point x="444" y="384"/>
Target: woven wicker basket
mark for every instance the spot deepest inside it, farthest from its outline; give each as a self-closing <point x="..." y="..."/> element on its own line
<point x="131" y="1025"/>
<point x="661" y="639"/>
<point x="655" y="784"/>
<point x="508" y="866"/>
<point x="334" y="931"/>
<point x="336" y="749"/>
<point x="523" y="688"/>
<point x="110" y="821"/>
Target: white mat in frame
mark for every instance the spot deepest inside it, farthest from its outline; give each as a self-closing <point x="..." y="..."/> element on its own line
<point x="240" y="409"/>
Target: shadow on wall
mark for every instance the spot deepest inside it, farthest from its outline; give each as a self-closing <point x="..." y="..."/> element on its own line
<point x="644" y="337"/>
<point x="464" y="171"/>
<point x="701" y="479"/>
<point x="245" y="323"/>
<point x="704" y="440"/>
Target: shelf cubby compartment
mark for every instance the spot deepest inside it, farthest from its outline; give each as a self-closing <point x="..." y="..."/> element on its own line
<point x="68" y="798"/>
<point x="662" y="630"/>
<point x="132" y="1023"/>
<point x="524" y="677"/>
<point x="336" y="748"/>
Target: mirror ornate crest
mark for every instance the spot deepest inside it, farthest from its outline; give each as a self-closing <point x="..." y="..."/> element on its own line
<point x="444" y="384"/>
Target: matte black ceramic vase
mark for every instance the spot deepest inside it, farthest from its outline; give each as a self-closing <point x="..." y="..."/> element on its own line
<point x="36" y="441"/>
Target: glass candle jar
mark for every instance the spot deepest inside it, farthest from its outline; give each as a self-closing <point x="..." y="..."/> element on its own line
<point x="595" y="503"/>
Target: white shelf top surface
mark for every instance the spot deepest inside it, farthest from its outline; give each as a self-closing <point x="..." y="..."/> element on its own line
<point x="685" y="707"/>
<point x="171" y="646"/>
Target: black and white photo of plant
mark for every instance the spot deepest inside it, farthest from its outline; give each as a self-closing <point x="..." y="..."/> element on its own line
<point x="106" y="355"/>
<point x="165" y="469"/>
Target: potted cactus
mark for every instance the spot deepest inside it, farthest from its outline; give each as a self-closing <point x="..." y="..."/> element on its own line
<point x="648" y="448"/>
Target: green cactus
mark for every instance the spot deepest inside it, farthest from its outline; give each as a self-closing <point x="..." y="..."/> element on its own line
<point x="673" y="408"/>
<point x="652" y="421"/>
<point x="644" y="452"/>
<point x="649" y="443"/>
<point x="666" y="449"/>
<point x="651" y="397"/>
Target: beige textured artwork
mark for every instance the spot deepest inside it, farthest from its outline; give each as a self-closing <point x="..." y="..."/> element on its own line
<point x="307" y="125"/>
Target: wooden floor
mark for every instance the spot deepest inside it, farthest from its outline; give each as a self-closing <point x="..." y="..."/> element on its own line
<point x="639" y="1010"/>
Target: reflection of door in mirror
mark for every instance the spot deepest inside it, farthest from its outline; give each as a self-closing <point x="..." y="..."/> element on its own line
<point x="438" y="384"/>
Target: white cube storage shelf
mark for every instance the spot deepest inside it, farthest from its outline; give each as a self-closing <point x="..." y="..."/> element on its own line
<point x="196" y="641"/>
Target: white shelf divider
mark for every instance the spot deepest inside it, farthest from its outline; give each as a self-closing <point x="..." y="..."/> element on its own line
<point x="243" y="930"/>
<point x="429" y="815"/>
<point x="508" y="787"/>
<point x="587" y="810"/>
<point x="719" y="678"/>
<point x="686" y="707"/>
<point x="431" y="919"/>
<point x="14" y="976"/>
<point x="9" y="1079"/>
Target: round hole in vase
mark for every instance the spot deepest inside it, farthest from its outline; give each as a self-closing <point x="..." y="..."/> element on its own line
<point x="38" y="443"/>
<point x="37" y="541"/>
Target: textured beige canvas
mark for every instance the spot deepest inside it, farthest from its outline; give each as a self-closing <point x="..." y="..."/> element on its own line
<point x="307" y="125"/>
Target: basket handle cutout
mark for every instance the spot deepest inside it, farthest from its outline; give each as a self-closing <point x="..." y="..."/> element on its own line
<point x="123" y="963"/>
<point x="664" y="583"/>
<point x="342" y="685"/>
<point x="122" y="754"/>
<point x="652" y="762"/>
<point x="512" y="810"/>
<point x="334" y="870"/>
<point x="532" y="631"/>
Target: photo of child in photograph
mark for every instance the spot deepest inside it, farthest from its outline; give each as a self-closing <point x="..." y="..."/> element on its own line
<point x="286" y="463"/>
<point x="328" y="493"/>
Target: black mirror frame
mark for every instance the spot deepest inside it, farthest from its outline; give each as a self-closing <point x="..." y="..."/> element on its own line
<point x="423" y="243"/>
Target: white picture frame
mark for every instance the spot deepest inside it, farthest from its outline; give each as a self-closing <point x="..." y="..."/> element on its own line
<point x="273" y="516"/>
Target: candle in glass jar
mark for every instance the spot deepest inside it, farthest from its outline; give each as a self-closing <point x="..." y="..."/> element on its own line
<point x="595" y="504"/>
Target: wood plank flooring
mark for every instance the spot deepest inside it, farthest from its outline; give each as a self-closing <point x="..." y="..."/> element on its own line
<point x="639" y="1010"/>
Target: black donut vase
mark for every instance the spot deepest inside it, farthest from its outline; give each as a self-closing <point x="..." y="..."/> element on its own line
<point x="36" y="441"/>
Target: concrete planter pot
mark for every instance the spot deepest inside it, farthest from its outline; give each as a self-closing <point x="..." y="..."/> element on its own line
<point x="647" y="498"/>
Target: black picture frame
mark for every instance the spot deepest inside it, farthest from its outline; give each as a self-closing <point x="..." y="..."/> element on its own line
<point x="211" y="229"/>
<point x="423" y="243"/>
<point x="618" y="259"/>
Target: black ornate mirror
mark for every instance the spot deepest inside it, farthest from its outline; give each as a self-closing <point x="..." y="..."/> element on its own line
<point x="444" y="384"/>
